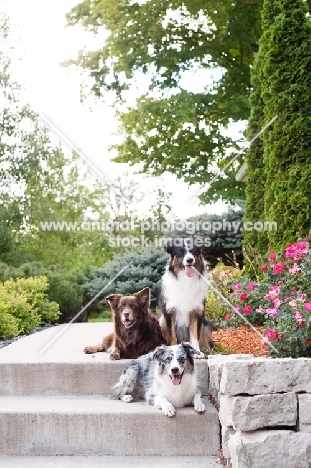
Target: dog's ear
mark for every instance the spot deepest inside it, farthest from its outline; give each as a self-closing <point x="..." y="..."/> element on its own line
<point x="144" y="297"/>
<point x="168" y="245"/>
<point x="113" y="300"/>
<point x="158" y="352"/>
<point x="198" y="242"/>
<point x="189" y="349"/>
<point x="171" y="243"/>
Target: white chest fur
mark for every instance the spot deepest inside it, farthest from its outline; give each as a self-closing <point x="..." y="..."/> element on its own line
<point x="183" y="294"/>
<point x="178" y="395"/>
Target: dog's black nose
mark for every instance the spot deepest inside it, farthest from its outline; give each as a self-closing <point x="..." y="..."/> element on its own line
<point x="126" y="314"/>
<point x="175" y="370"/>
<point x="189" y="260"/>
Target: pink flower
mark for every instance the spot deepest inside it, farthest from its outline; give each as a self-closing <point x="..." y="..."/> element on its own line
<point x="278" y="268"/>
<point x="302" y="298"/>
<point x="260" y="309"/>
<point x="294" y="270"/>
<point x="250" y="287"/>
<point x="264" y="267"/>
<point x="237" y="287"/>
<point x="307" y="306"/>
<point x="272" y="333"/>
<point x="232" y="294"/>
<point x="298" y="316"/>
<point x="293" y="303"/>
<point x="272" y="312"/>
<point x="227" y="316"/>
<point x="264" y="341"/>
<point x="272" y="256"/>
<point x="247" y="309"/>
<point x="303" y="246"/>
<point x="297" y="250"/>
<point x="243" y="296"/>
<point x="237" y="308"/>
<point x="276" y="303"/>
<point x="273" y="294"/>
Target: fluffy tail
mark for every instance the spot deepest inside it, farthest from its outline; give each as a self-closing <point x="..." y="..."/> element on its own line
<point x="127" y="382"/>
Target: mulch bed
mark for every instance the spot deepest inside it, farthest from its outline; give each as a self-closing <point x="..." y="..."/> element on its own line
<point x="242" y="340"/>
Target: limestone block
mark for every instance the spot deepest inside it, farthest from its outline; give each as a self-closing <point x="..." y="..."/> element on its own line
<point x="273" y="449"/>
<point x="305" y="412"/>
<point x="225" y="410"/>
<point x="264" y="375"/>
<point x="226" y="432"/>
<point x="202" y="375"/>
<point x="215" y="363"/>
<point x="248" y="413"/>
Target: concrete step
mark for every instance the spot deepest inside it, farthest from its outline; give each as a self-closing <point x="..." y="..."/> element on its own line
<point x="49" y="426"/>
<point x="63" y="368"/>
<point x="109" y="462"/>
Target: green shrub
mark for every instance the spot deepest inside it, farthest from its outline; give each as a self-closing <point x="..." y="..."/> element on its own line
<point x="8" y="324"/>
<point x="68" y="293"/>
<point x="6" y="272"/>
<point x="143" y="269"/>
<point x="65" y="286"/>
<point x="25" y="305"/>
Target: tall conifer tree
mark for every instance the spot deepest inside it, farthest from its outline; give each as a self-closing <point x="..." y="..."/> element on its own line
<point x="255" y="184"/>
<point x="285" y="80"/>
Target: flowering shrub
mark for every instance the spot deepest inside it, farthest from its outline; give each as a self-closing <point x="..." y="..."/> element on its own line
<point x="221" y="277"/>
<point x="281" y="300"/>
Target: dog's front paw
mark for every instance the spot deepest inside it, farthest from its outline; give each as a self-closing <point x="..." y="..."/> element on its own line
<point x="199" y="407"/>
<point x="199" y="355"/>
<point x="114" y="356"/>
<point x="168" y="409"/>
<point x="89" y="350"/>
<point x="127" y="398"/>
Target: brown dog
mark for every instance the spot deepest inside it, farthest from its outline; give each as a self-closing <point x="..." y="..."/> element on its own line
<point x="136" y="329"/>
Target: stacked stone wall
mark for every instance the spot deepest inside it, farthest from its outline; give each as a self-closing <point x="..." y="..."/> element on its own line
<point x="264" y="410"/>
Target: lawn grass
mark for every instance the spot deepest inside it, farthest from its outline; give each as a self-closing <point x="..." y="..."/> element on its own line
<point x="104" y="316"/>
<point x="99" y="319"/>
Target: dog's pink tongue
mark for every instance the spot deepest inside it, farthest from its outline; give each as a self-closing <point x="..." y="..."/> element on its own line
<point x="176" y="379"/>
<point x="189" y="271"/>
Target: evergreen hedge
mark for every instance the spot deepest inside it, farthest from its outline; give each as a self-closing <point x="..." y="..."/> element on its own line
<point x="143" y="269"/>
<point x="255" y="183"/>
<point x="285" y="77"/>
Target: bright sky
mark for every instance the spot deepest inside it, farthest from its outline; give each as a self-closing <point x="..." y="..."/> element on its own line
<point x="54" y="91"/>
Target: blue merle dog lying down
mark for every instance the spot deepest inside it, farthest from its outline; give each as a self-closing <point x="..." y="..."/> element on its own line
<point x="165" y="378"/>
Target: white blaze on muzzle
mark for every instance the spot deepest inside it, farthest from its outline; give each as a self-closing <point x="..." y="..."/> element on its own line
<point x="188" y="263"/>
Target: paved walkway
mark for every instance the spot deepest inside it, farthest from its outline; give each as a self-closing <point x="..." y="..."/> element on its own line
<point x="109" y="462"/>
<point x="67" y="347"/>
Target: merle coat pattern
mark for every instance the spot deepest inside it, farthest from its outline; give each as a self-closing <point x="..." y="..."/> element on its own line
<point x="164" y="378"/>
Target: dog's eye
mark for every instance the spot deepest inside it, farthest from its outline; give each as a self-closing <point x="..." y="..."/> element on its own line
<point x="181" y="360"/>
<point x="167" y="359"/>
